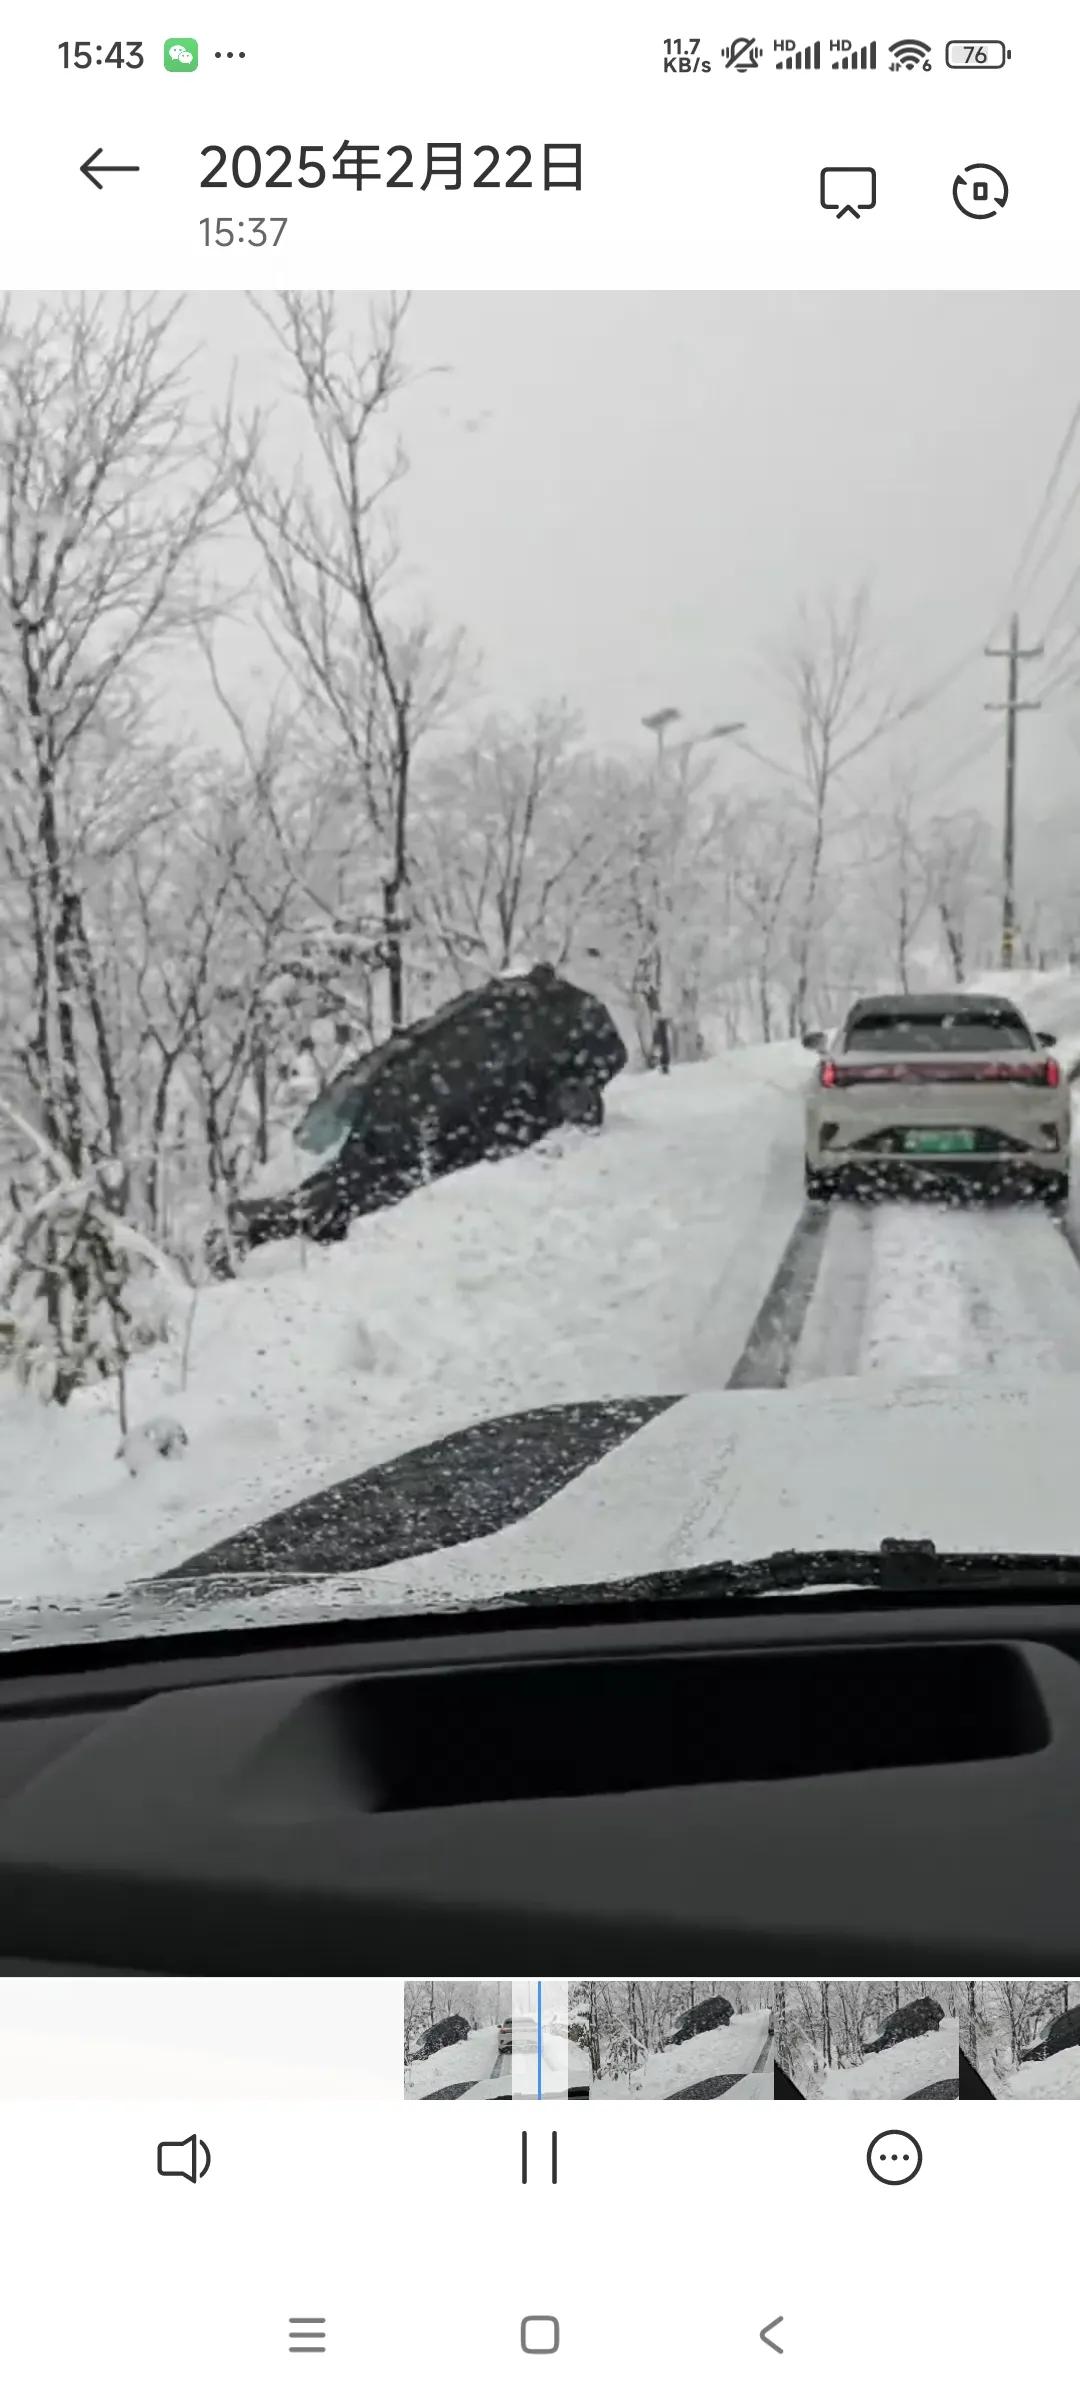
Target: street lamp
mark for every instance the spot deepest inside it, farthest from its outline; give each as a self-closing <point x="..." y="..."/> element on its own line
<point x="658" y="724"/>
<point x="661" y="718"/>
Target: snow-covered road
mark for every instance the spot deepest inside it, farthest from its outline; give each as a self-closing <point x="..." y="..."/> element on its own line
<point x="671" y="1256"/>
<point x="908" y="1288"/>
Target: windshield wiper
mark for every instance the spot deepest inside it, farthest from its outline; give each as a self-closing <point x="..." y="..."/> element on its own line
<point x="188" y="1608"/>
<point x="894" y="1568"/>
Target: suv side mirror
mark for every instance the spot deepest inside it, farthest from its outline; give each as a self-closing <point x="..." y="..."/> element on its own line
<point x="813" y="1041"/>
<point x="1047" y="1040"/>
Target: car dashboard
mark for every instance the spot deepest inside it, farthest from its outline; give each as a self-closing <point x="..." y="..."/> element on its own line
<point x="838" y="1782"/>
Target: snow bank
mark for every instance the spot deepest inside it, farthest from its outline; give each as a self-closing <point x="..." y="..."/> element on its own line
<point x="460" y="2062"/>
<point x="1056" y="2078"/>
<point x="729" y="2050"/>
<point x="896" y="2074"/>
<point x="591" y="1267"/>
<point x="1049" y="999"/>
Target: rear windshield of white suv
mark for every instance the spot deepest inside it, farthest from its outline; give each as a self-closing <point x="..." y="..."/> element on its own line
<point x="904" y="1034"/>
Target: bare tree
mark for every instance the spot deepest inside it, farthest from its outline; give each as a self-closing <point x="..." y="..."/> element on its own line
<point x="656" y="922"/>
<point x="908" y="877"/>
<point x="109" y="495"/>
<point x="374" y="684"/>
<point x="958" y="878"/>
<point x="1016" y="2000"/>
<point x="516" y="832"/>
<point x="831" y="682"/>
<point x="764" y="847"/>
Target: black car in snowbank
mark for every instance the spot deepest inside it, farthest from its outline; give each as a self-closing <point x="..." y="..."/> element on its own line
<point x="708" y="2016"/>
<point x="1062" y="2034"/>
<point x="489" y="1073"/>
<point x="908" y="2024"/>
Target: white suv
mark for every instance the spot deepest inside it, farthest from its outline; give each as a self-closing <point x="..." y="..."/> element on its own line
<point x="934" y="1088"/>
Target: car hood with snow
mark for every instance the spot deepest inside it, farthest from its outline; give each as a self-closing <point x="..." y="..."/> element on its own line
<point x="712" y="1477"/>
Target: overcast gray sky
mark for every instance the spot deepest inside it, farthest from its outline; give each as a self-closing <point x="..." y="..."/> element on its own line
<point x="621" y="497"/>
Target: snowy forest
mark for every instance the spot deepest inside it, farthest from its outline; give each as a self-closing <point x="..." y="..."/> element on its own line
<point x="204" y="918"/>
<point x="622" y="2023"/>
<point x="1004" y="2024"/>
<point x="428" y="2002"/>
<point x="825" y="2026"/>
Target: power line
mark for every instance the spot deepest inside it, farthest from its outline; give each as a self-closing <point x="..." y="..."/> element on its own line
<point x="925" y="698"/>
<point x="1045" y="504"/>
<point x="1025" y="591"/>
<point x="1064" y="667"/>
<point x="1062" y="603"/>
<point x="986" y="742"/>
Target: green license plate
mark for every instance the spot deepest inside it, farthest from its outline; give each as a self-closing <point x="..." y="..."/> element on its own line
<point x="939" y="1143"/>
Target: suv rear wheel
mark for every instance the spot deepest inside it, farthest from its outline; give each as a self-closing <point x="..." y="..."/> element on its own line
<point x="818" y="1186"/>
<point x="578" y="1102"/>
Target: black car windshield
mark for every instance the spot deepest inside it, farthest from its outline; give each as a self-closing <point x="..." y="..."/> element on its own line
<point x="330" y="1119"/>
<point x="961" y="1031"/>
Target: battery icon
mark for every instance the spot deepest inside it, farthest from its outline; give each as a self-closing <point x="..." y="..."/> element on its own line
<point x="976" y="54"/>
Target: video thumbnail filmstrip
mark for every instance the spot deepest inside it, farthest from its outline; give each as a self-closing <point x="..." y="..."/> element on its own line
<point x="741" y="2040"/>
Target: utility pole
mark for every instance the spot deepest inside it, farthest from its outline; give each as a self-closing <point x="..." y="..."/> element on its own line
<point x="1012" y="706"/>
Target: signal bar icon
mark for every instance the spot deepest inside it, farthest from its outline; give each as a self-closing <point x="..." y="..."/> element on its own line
<point x="864" y="57"/>
<point x="810" y="57"/>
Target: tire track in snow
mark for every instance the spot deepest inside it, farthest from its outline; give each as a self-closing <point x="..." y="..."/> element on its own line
<point x="955" y="1290"/>
<point x="910" y="1288"/>
<point x="757" y="1230"/>
<point x="767" y="1357"/>
<point x="827" y="1342"/>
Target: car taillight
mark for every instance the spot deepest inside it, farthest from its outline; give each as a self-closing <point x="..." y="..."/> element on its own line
<point x="943" y="1069"/>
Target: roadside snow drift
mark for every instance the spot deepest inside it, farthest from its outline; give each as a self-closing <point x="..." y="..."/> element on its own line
<point x="460" y="2062"/>
<point x="628" y="1261"/>
<point x="1056" y="2078"/>
<point x="733" y="2049"/>
<point x="898" y="2073"/>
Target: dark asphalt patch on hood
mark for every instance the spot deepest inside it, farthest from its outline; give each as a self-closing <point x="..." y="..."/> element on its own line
<point x="465" y="1485"/>
<point x="713" y="2088"/>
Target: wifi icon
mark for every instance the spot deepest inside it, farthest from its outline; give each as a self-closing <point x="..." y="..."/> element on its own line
<point x="909" y="55"/>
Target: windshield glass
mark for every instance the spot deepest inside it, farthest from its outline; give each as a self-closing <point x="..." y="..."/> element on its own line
<point x="947" y="1032"/>
<point x="330" y="1120"/>
<point x="431" y="826"/>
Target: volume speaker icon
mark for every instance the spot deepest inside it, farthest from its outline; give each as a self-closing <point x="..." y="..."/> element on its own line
<point x="191" y="2158"/>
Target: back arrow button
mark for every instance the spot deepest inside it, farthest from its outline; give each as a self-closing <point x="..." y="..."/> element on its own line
<point x="95" y="165"/>
<point x="765" y="2332"/>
